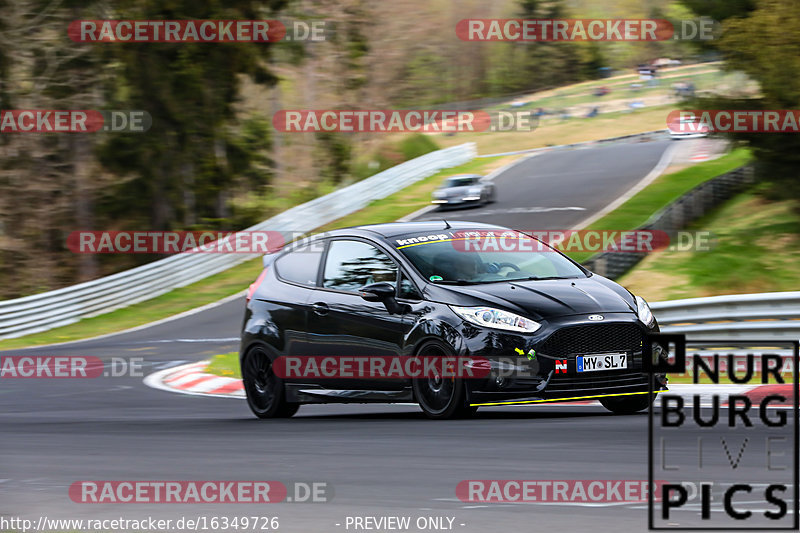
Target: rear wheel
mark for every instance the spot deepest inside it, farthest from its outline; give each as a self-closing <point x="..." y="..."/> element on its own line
<point x="438" y="396"/>
<point x="264" y="390"/>
<point x="627" y="405"/>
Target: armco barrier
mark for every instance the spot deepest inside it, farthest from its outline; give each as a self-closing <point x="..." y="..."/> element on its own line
<point x="770" y="315"/>
<point x="41" y="312"/>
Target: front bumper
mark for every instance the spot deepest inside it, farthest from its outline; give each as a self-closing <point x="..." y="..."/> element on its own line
<point x="543" y="366"/>
<point x="456" y="201"/>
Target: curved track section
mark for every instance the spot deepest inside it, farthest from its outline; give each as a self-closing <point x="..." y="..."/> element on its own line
<point x="560" y="189"/>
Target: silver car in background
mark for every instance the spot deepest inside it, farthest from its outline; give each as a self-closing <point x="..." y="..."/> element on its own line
<point x="464" y="189"/>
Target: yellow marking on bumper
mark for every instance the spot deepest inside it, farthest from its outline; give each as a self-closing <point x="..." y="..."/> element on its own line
<point x="522" y="402"/>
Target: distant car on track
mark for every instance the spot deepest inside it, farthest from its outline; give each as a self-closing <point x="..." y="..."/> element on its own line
<point x="687" y="127"/>
<point x="541" y="326"/>
<point x="463" y="190"/>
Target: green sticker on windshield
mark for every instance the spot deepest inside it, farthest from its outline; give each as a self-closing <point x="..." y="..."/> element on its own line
<point x="436" y="278"/>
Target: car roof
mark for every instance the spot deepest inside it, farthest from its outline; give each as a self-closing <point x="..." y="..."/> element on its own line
<point x="393" y="229"/>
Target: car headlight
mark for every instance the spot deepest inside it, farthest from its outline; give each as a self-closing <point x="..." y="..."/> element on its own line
<point x="644" y="312"/>
<point x="439" y="194"/>
<point x="496" y="318"/>
<point x="474" y="190"/>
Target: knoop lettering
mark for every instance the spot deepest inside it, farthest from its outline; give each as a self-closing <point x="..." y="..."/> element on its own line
<point x="424" y="238"/>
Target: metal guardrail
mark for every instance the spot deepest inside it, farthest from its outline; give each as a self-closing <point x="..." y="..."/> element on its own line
<point x="769" y="315"/>
<point x="41" y="312"/>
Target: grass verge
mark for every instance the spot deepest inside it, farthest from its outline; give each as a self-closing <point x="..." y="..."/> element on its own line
<point x="225" y="364"/>
<point x="755" y="248"/>
<point x="556" y="131"/>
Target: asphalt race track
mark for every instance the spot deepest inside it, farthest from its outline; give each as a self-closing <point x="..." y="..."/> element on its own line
<point x="557" y="190"/>
<point x="380" y="460"/>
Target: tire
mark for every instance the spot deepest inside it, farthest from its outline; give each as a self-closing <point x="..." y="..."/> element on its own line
<point x="627" y="405"/>
<point x="440" y="398"/>
<point x="264" y="390"/>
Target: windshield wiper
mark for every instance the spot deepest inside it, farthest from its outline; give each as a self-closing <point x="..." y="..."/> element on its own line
<point x="455" y="282"/>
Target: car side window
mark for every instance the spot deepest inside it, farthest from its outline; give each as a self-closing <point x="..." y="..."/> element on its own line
<point x="300" y="265"/>
<point x="352" y="264"/>
<point x="406" y="288"/>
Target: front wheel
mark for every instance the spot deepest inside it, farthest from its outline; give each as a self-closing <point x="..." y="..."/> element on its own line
<point x="441" y="397"/>
<point x="264" y="390"/>
<point x="627" y="405"/>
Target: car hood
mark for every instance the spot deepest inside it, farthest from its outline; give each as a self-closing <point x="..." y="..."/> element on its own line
<point x="542" y="299"/>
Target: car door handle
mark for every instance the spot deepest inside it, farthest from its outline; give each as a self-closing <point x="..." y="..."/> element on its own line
<point x="320" y="308"/>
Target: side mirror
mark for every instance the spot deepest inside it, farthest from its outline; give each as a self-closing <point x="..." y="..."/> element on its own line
<point x="378" y="292"/>
<point x="383" y="292"/>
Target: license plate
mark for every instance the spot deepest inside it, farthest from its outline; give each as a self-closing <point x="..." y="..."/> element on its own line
<point x="606" y="361"/>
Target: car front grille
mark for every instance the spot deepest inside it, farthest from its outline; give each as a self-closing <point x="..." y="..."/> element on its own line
<point x="593" y="338"/>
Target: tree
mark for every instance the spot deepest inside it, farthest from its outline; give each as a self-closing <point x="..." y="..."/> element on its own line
<point x="182" y="172"/>
<point x="47" y="180"/>
<point x="762" y="39"/>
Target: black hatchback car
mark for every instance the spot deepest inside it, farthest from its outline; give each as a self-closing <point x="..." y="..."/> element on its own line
<point x="533" y="324"/>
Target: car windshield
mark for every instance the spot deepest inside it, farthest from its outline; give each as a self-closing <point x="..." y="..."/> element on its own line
<point x="461" y="181"/>
<point x="469" y="257"/>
